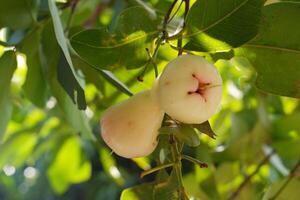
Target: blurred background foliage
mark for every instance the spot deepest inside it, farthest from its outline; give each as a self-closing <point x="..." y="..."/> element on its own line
<point x="50" y="149"/>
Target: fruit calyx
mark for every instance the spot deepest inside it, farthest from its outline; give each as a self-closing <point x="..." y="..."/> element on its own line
<point x="201" y="88"/>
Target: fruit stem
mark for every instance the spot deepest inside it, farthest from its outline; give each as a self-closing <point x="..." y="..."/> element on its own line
<point x="152" y="61"/>
<point x="167" y="17"/>
<point x="159" y="41"/>
<point x="176" y="156"/>
<point x="195" y="161"/>
<point x="179" y="40"/>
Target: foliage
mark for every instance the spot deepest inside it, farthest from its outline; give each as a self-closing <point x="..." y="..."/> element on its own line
<point x="62" y="63"/>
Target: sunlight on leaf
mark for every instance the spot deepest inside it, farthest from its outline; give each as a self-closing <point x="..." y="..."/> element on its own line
<point x="69" y="166"/>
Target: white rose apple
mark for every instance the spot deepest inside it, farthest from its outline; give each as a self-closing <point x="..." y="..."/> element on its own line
<point x="189" y="89"/>
<point x="130" y="128"/>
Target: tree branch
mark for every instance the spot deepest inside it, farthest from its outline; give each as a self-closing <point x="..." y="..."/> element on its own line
<point x="249" y="177"/>
<point x="293" y="173"/>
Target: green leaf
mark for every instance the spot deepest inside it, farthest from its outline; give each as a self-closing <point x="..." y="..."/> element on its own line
<point x="124" y="47"/>
<point x="16" y="150"/>
<point x="167" y="189"/>
<point x="92" y="74"/>
<point x="167" y="130"/>
<point x="192" y="188"/>
<point x="284" y="125"/>
<point x="110" y="77"/>
<point x="8" y="64"/>
<point x="140" y="192"/>
<point x="275" y="53"/>
<point x="74" y="117"/>
<point x="50" y="143"/>
<point x="183" y="132"/>
<point x="206" y="129"/>
<point x="188" y="135"/>
<point x="17" y="14"/>
<point x="71" y="83"/>
<point x="242" y="123"/>
<point x="287" y="149"/>
<point x="214" y="25"/>
<point x="35" y="86"/>
<point x="69" y="166"/>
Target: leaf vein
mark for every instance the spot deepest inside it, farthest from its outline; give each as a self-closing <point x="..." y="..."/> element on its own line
<point x="219" y="20"/>
<point x="117" y="45"/>
<point x="272" y="48"/>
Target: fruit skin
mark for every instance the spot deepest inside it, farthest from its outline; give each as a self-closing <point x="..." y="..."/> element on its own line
<point x="189" y="89"/>
<point x="130" y="128"/>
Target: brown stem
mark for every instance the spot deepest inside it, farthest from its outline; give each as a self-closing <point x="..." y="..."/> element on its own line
<point x="293" y="173"/>
<point x="179" y="41"/>
<point x="171" y="18"/>
<point x="167" y="17"/>
<point x="73" y="5"/>
<point x="94" y="17"/>
<point x="179" y="46"/>
<point x="249" y="177"/>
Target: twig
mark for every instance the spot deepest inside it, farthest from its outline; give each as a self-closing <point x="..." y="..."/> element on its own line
<point x="73" y="5"/>
<point x="179" y="46"/>
<point x="293" y="173"/>
<point x="179" y="41"/>
<point x="249" y="177"/>
<point x="195" y="161"/>
<point x="171" y="18"/>
<point x="167" y="17"/>
<point x="93" y="18"/>
<point x="159" y="41"/>
<point x="152" y="61"/>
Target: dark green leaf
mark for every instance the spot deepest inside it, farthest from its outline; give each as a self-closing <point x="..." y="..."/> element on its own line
<point x="69" y="83"/>
<point x="167" y="130"/>
<point x="17" y="14"/>
<point x="93" y="74"/>
<point x="188" y="135"/>
<point x="8" y="64"/>
<point x="214" y="25"/>
<point x="110" y="77"/>
<point x="206" y="129"/>
<point x="168" y="189"/>
<point x="183" y="132"/>
<point x="124" y="47"/>
<point x="35" y="86"/>
<point x="275" y="53"/>
<point x="74" y="90"/>
<point x="76" y="118"/>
